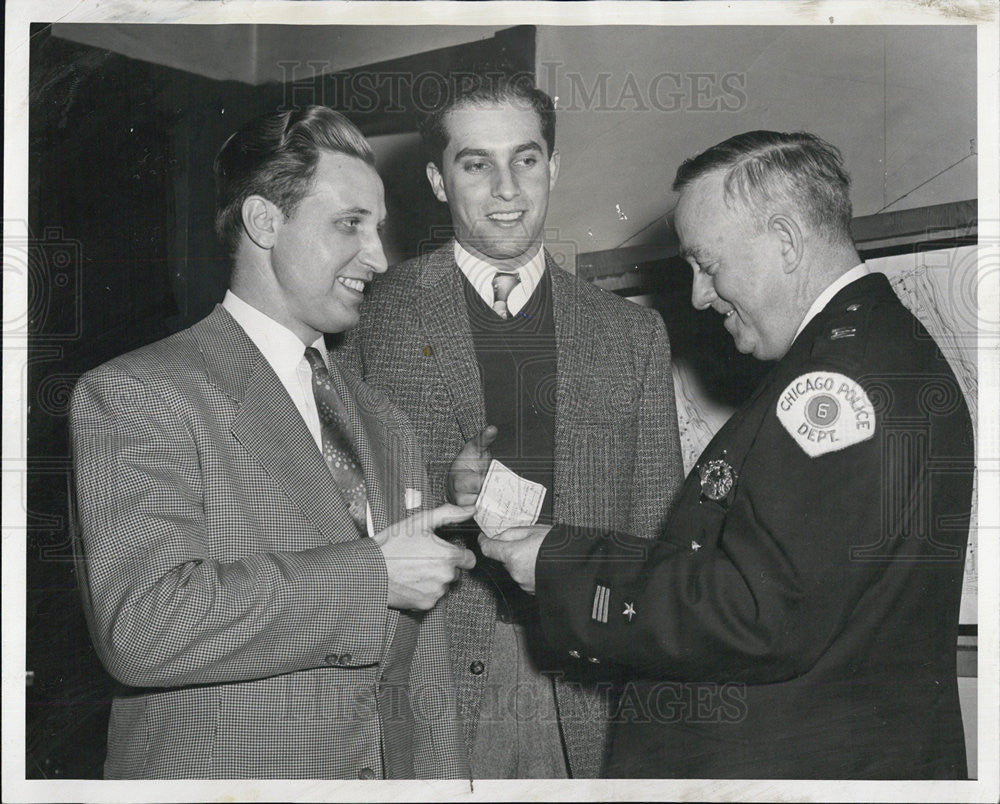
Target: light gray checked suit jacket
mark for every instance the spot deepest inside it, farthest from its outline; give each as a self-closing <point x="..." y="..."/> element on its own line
<point x="617" y="461"/>
<point x="226" y="583"/>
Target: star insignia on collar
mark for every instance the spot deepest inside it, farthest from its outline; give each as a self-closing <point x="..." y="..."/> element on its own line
<point x="629" y="610"/>
<point x="695" y="546"/>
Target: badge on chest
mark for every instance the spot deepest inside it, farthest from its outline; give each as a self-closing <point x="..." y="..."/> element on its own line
<point x="825" y="411"/>
<point x="717" y="478"/>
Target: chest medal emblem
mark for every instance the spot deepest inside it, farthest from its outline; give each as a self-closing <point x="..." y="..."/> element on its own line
<point x="717" y="479"/>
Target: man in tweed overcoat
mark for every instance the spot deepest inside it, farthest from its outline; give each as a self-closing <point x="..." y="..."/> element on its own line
<point x="576" y="380"/>
<point x="228" y="579"/>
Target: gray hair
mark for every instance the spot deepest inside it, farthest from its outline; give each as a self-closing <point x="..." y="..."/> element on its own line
<point x="763" y="166"/>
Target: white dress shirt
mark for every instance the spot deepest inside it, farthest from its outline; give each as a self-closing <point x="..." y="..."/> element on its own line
<point x="832" y="290"/>
<point x="286" y="354"/>
<point x="480" y="275"/>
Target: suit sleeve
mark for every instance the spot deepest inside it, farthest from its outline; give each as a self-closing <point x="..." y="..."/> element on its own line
<point x="751" y="594"/>
<point x="659" y="470"/>
<point x="165" y="612"/>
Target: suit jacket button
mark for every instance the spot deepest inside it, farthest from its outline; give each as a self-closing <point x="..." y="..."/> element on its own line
<point x="332" y="658"/>
<point x="477" y="667"/>
<point x="366" y="774"/>
<point x="575" y="654"/>
<point x="345" y="658"/>
<point x="593" y="660"/>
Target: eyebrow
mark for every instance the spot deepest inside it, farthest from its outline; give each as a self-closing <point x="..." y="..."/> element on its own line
<point x="531" y="145"/>
<point x="364" y="212"/>
<point x="693" y="252"/>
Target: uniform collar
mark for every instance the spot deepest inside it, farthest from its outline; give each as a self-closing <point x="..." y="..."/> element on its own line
<point x="832" y="290"/>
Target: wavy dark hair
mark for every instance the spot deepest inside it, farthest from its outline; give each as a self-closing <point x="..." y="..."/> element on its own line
<point x="485" y="88"/>
<point x="275" y="156"/>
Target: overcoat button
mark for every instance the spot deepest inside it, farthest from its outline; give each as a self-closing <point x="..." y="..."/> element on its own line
<point x="476" y="668"/>
<point x="366" y="774"/>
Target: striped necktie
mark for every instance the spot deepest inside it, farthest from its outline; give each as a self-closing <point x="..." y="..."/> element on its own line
<point x="337" y="448"/>
<point x="503" y="284"/>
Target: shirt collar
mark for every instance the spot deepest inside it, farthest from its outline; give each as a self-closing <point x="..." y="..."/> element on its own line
<point x="480" y="273"/>
<point x="280" y="346"/>
<point x="832" y="290"/>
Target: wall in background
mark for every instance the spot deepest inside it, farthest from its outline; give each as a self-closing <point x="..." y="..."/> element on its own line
<point x="256" y="54"/>
<point x="634" y="102"/>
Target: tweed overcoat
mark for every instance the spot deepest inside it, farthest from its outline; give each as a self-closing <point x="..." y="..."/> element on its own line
<point x="617" y="453"/>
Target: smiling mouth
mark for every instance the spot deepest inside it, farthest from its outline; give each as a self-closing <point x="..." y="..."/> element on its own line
<point x="357" y="285"/>
<point x="506" y="217"/>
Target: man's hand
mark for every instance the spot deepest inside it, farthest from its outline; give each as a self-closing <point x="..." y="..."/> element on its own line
<point x="419" y="564"/>
<point x="517" y="550"/>
<point x="468" y="470"/>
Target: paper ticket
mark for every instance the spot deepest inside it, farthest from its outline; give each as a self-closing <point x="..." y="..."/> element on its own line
<point x="507" y="500"/>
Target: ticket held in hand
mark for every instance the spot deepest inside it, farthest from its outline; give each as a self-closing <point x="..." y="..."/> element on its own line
<point x="507" y="500"/>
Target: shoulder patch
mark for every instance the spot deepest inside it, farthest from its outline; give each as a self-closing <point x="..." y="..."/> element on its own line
<point x="825" y="411"/>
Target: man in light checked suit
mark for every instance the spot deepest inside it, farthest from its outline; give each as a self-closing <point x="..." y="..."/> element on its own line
<point x="574" y="382"/>
<point x="228" y="479"/>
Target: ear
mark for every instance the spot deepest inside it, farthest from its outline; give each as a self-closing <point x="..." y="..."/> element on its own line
<point x="437" y="182"/>
<point x="261" y="220"/>
<point x="553" y="169"/>
<point x="790" y="241"/>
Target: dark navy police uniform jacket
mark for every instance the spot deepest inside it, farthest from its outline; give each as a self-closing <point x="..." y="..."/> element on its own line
<point x="798" y="617"/>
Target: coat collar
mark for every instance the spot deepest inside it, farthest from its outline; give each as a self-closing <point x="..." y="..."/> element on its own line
<point x="449" y="337"/>
<point x="270" y="427"/>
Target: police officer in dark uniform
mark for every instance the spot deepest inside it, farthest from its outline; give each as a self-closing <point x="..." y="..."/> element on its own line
<point x="798" y="617"/>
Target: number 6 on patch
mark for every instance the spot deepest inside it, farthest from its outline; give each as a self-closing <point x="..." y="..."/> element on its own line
<point x="825" y="411"/>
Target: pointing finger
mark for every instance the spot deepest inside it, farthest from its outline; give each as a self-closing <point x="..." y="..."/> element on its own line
<point x="448" y="514"/>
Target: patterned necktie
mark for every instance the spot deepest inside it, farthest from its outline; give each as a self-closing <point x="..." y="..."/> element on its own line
<point x="503" y="284"/>
<point x="337" y="449"/>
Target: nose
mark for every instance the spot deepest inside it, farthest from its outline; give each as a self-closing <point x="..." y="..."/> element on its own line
<point x="373" y="255"/>
<point x="702" y="291"/>
<point x="505" y="184"/>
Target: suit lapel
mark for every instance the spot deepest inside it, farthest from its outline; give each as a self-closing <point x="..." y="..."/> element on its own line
<point x="268" y="424"/>
<point x="448" y="334"/>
